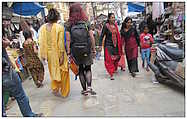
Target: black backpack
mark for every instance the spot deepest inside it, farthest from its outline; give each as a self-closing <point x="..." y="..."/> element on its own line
<point x="80" y="40"/>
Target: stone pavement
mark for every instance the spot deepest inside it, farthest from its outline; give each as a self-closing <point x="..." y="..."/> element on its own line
<point x="124" y="96"/>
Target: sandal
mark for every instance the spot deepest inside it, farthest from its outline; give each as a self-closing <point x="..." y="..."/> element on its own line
<point x="84" y="92"/>
<point x="122" y="69"/>
<point x="40" y="85"/>
<point x="112" y="79"/>
<point x="147" y="69"/>
<point x="55" y="92"/>
<point x="133" y="74"/>
<point x="90" y="90"/>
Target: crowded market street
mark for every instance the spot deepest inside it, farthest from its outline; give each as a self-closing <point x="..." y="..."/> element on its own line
<point x="125" y="96"/>
<point x="96" y="59"/>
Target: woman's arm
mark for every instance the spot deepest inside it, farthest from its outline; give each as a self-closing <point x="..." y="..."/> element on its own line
<point x="92" y="40"/>
<point x="68" y="39"/>
<point x="137" y="37"/>
<point x="123" y="44"/>
<point x="35" y="48"/>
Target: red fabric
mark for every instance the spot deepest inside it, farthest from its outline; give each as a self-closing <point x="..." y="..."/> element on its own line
<point x="111" y="62"/>
<point x="131" y="47"/>
<point x="131" y="42"/>
<point x="144" y="44"/>
<point x="121" y="62"/>
<point x="118" y="38"/>
<point x="17" y="64"/>
<point x="114" y="33"/>
<point x="132" y="53"/>
<point x="153" y="49"/>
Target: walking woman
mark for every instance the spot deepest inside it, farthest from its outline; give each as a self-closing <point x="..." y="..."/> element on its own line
<point x="112" y="45"/>
<point x="34" y="64"/>
<point x="81" y="44"/>
<point x="52" y="49"/>
<point x="131" y="42"/>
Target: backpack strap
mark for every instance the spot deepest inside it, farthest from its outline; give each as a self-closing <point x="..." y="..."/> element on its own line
<point x="86" y="25"/>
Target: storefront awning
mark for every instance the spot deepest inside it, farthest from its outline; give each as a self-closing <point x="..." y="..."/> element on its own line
<point x="27" y="8"/>
<point x="135" y="7"/>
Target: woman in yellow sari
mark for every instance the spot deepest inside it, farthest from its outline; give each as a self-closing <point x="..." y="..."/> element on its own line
<point x="52" y="49"/>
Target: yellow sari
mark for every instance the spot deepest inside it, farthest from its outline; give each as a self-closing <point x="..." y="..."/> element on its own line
<point x="52" y="46"/>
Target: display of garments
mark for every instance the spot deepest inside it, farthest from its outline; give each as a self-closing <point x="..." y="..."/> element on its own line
<point x="158" y="9"/>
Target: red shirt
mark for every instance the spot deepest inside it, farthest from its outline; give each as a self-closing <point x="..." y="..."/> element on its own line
<point x="145" y="40"/>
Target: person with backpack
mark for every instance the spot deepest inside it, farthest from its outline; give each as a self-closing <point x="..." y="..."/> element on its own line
<point x="72" y="65"/>
<point x="52" y="49"/>
<point x="112" y="45"/>
<point x="81" y="46"/>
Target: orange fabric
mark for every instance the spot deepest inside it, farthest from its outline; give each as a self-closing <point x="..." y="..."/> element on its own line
<point x="74" y="68"/>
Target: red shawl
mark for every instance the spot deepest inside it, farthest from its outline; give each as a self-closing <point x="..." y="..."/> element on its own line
<point x="118" y="38"/>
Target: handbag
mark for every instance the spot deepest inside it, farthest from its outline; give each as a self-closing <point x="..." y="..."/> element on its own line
<point x="73" y="66"/>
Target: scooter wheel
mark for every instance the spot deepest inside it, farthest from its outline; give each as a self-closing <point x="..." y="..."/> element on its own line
<point x="160" y="79"/>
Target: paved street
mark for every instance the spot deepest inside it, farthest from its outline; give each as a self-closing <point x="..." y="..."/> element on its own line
<point x="125" y="96"/>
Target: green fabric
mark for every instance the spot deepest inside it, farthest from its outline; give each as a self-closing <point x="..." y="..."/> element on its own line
<point x="5" y="97"/>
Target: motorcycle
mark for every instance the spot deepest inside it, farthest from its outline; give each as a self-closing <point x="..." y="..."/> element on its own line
<point x="168" y="63"/>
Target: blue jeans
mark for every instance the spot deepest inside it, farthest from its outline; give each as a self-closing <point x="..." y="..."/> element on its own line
<point x="16" y="90"/>
<point x="146" y="55"/>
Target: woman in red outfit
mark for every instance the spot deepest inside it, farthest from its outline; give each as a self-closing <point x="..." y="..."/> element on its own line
<point x="131" y="42"/>
<point x="112" y="45"/>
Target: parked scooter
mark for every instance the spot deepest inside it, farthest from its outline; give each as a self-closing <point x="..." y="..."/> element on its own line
<point x="168" y="63"/>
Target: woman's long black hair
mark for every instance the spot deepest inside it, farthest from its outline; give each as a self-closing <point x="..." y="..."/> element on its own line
<point x="124" y="23"/>
<point x="127" y="34"/>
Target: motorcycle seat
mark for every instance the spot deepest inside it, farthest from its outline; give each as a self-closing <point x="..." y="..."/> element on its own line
<point x="173" y="52"/>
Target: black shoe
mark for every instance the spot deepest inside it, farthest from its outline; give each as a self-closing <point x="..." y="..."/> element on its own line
<point x="122" y="69"/>
<point x="133" y="74"/>
<point x="39" y="115"/>
<point x="84" y="92"/>
<point x="90" y="90"/>
<point x="112" y="79"/>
